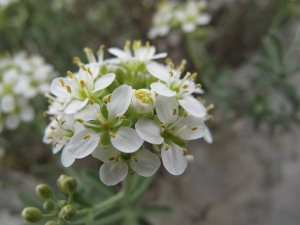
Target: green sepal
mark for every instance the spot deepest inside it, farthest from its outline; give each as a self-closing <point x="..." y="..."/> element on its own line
<point x="104" y="111"/>
<point x="105" y="139"/>
<point x="156" y="119"/>
<point x="179" y="141"/>
<point x="103" y="70"/>
<point x="124" y="123"/>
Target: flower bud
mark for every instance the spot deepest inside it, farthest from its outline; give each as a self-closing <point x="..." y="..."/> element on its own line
<point x="142" y="104"/>
<point x="68" y="212"/>
<point x="51" y="222"/>
<point x="48" y="206"/>
<point x="67" y="185"/>
<point x="32" y="214"/>
<point x="62" y="203"/>
<point x="44" y="191"/>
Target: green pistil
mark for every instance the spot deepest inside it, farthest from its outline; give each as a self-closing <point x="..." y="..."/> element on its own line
<point x="167" y="134"/>
<point x="125" y="156"/>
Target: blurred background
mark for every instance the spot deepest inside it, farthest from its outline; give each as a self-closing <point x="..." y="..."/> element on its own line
<point x="247" y="60"/>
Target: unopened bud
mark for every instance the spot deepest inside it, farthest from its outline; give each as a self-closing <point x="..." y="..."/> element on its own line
<point x="51" y="222"/>
<point x="48" y="206"/>
<point x="32" y="214"/>
<point x="68" y="212"/>
<point x="44" y="191"/>
<point x="62" y="203"/>
<point x="67" y="185"/>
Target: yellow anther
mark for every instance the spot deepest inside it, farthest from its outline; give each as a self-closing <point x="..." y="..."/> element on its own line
<point x="174" y="110"/>
<point x="194" y="76"/>
<point x="117" y="158"/>
<point x="211" y="106"/>
<point x="171" y="74"/>
<point x="122" y="117"/>
<point x="77" y="60"/>
<point x="184" y="151"/>
<point x="68" y="89"/>
<point x="168" y="60"/>
<point x="62" y="82"/>
<point x="201" y="100"/>
<point x="198" y="86"/>
<point x="108" y="98"/>
<point x="148" y="45"/>
<point x="185" y="86"/>
<point x="210" y="117"/>
<point x="79" y="120"/>
<point x="100" y="49"/>
<point x="127" y="45"/>
<point x="181" y="69"/>
<point x="45" y="113"/>
<point x="112" y="158"/>
<point x="89" y="71"/>
<point x="185" y="114"/>
<point x="62" y="122"/>
<point x="50" y="137"/>
<point x="83" y="67"/>
<point x="52" y="128"/>
<point x="172" y="65"/>
<point x="134" y="158"/>
<point x="91" y="101"/>
<point x="144" y="100"/>
<point x="55" y="144"/>
<point x="82" y="83"/>
<point x="56" y="119"/>
<point x="70" y="74"/>
<point x="167" y="147"/>
<point x="86" y="136"/>
<point x="194" y="128"/>
<point x="112" y="135"/>
<point x="163" y="126"/>
<point x="61" y="137"/>
<point x="87" y="50"/>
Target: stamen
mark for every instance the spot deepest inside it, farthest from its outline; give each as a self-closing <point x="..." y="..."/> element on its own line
<point x="56" y="119"/>
<point x="134" y="158"/>
<point x="89" y="71"/>
<point x="77" y="61"/>
<point x="185" y="127"/>
<point x="61" y="137"/>
<point x="62" y="122"/>
<point x="210" y="117"/>
<point x="91" y="101"/>
<point x="70" y="74"/>
<point x="198" y="86"/>
<point x="79" y="120"/>
<point x="100" y="118"/>
<point x="122" y="117"/>
<point x="184" y="151"/>
<point x="52" y="98"/>
<point x="89" y="55"/>
<point x="108" y="98"/>
<point x="69" y="89"/>
<point x="211" y="106"/>
<point x="45" y="113"/>
<point x="185" y="86"/>
<point x="62" y="82"/>
<point x="174" y="110"/>
<point x="117" y="158"/>
<point x="194" y="76"/>
<point x="127" y="45"/>
<point x="167" y="147"/>
<point x="50" y="137"/>
<point x="82" y="83"/>
<point x="52" y="128"/>
<point x="185" y="114"/>
<point x="201" y="100"/>
<point x="171" y="74"/>
<point x="112" y="158"/>
<point x="148" y="45"/>
<point x="55" y="144"/>
<point x="83" y="67"/>
<point x="100" y="53"/>
<point x="194" y="128"/>
<point x="163" y="126"/>
<point x="86" y="136"/>
<point x="112" y="135"/>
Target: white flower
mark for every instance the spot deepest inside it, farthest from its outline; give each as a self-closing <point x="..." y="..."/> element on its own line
<point x="181" y="89"/>
<point x="142" y="54"/>
<point x="116" y="163"/>
<point x="81" y="89"/>
<point x="59" y="132"/>
<point x="109" y="126"/>
<point x="142" y="104"/>
<point x="171" y="133"/>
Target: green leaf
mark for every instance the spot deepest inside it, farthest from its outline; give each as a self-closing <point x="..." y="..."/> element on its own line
<point x="78" y="198"/>
<point x="141" y="191"/>
<point x="156" y="210"/>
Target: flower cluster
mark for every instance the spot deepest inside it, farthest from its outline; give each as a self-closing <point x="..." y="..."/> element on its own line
<point x="172" y="15"/>
<point x="112" y="108"/>
<point x="21" y="79"/>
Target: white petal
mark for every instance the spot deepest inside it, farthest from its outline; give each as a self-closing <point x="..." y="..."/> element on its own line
<point x="165" y="109"/>
<point x="57" y="148"/>
<point x="207" y="136"/>
<point x="147" y="163"/>
<point x="159" y="71"/>
<point x="119" y="101"/>
<point x="104" y="81"/>
<point x="27" y="114"/>
<point x="75" y="106"/>
<point x="58" y="90"/>
<point x="12" y="121"/>
<point x="192" y="106"/>
<point x="149" y="131"/>
<point x="162" y="89"/>
<point x="173" y="159"/>
<point x="160" y="55"/>
<point x="113" y="172"/>
<point x="188" y="27"/>
<point x="94" y="68"/>
<point x="80" y="147"/>
<point x="7" y="103"/>
<point x="117" y="52"/>
<point x="105" y="153"/>
<point x="204" y="19"/>
<point x="67" y="159"/>
<point x="191" y="121"/>
<point x="88" y="112"/>
<point x="127" y="140"/>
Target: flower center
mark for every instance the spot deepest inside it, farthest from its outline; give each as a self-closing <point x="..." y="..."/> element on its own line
<point x="145" y="96"/>
<point x="167" y="134"/>
<point x="125" y="156"/>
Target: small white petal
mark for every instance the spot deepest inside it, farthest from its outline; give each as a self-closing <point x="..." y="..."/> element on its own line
<point x="75" y="106"/>
<point x="57" y="148"/>
<point x="149" y="131"/>
<point x="67" y="159"/>
<point x="173" y="159"/>
<point x="165" y="109"/>
<point x="189" y="134"/>
<point x="207" y="136"/>
<point x="117" y="52"/>
<point x="127" y="140"/>
<point x="119" y="101"/>
<point x="57" y="88"/>
<point x="160" y="55"/>
<point x="162" y="89"/>
<point x="80" y="146"/>
<point x="159" y="71"/>
<point x="192" y="106"/>
<point x="88" y="112"/>
<point x="188" y="27"/>
<point x="147" y="163"/>
<point x="204" y="19"/>
<point x="105" y="153"/>
<point x="113" y="172"/>
<point x="104" y="82"/>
